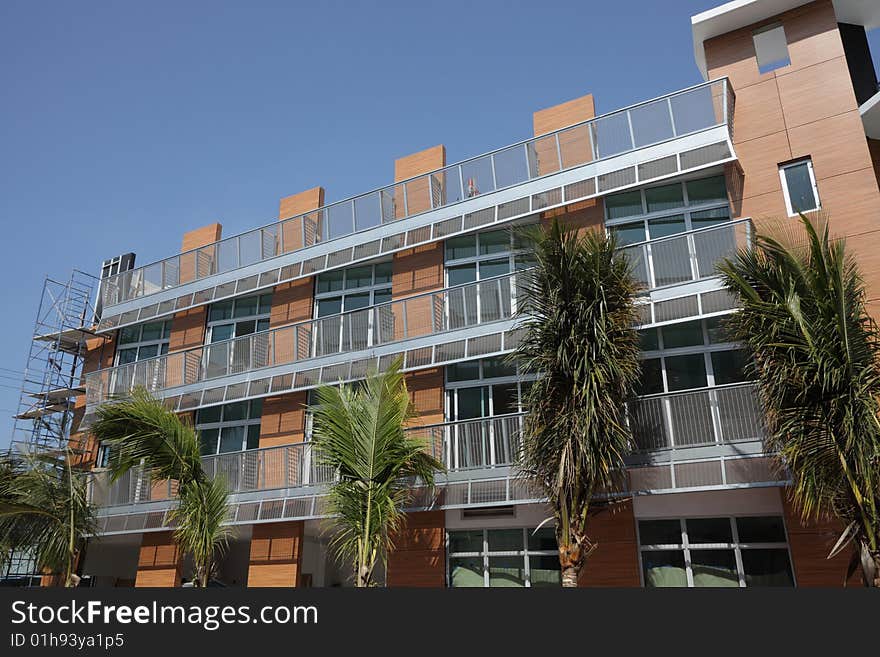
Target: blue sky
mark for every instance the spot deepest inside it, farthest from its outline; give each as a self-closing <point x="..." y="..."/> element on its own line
<point x="124" y="124"/>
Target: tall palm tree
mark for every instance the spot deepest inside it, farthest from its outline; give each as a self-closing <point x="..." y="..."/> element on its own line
<point x="44" y="509"/>
<point x="359" y="431"/>
<point x="815" y="354"/>
<point x="142" y="433"/>
<point x="578" y="318"/>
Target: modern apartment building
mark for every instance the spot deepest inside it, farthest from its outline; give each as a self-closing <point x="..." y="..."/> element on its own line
<point x="237" y="332"/>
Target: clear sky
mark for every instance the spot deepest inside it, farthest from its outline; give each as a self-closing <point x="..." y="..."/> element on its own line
<point x="124" y="124"/>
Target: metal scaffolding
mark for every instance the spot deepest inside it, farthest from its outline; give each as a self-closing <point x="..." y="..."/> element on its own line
<point x="53" y="372"/>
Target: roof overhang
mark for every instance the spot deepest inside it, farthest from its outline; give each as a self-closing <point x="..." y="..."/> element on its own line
<point x="870" y="113"/>
<point x="740" y="13"/>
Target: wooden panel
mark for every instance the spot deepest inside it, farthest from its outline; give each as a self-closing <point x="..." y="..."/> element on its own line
<point x="615" y="562"/>
<point x="283" y="421"/>
<point x="816" y="92"/>
<point x="810" y="544"/>
<point x="424" y="161"/>
<point x="201" y="237"/>
<point x="836" y="145"/>
<point x="159" y="562"/>
<point x="292" y="302"/>
<point x="563" y="115"/>
<point x="295" y="204"/>
<point x="419" y="555"/>
<point x="275" y="554"/>
<point x="426" y="391"/>
<point x="188" y="329"/>
<point x="583" y="214"/>
<point x="417" y="270"/>
<point x="760" y="160"/>
<point x="758" y="112"/>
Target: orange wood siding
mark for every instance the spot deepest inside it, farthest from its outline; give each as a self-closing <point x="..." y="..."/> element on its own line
<point x="419" y="555"/>
<point x="283" y="421"/>
<point x="159" y="563"/>
<point x="275" y="555"/>
<point x="615" y="562"/>
<point x="563" y="115"/>
<point x="805" y="109"/>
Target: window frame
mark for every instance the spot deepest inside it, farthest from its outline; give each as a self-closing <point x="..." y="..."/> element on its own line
<point x="685" y="546"/>
<point x="783" y="178"/>
<point x="706" y="349"/>
<point x="249" y="421"/>
<point x="260" y="315"/>
<point x="344" y="292"/>
<point x="481" y="259"/>
<point x="485" y="554"/>
<point x="162" y="343"/>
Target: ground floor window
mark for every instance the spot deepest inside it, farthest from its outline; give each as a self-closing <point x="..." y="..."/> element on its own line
<point x="718" y="552"/>
<point x="520" y="557"/>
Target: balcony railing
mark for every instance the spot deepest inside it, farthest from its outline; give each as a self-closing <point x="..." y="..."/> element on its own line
<point x="664" y="261"/>
<point x="708" y="416"/>
<point x="469" y="444"/>
<point x="690" y="256"/>
<point x="458" y="307"/>
<point x="681" y="113"/>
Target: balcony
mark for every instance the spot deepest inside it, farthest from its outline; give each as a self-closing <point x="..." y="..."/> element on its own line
<point x="348" y="335"/>
<point x="342" y="347"/>
<point x="683" y="131"/>
<point x="708" y="416"/>
<point x="713" y="416"/>
<point x="687" y="257"/>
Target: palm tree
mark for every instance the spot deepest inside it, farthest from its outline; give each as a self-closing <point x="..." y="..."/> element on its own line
<point x="815" y="352"/>
<point x="578" y="318"/>
<point x="142" y="433"/>
<point x="44" y="508"/>
<point x="359" y="431"/>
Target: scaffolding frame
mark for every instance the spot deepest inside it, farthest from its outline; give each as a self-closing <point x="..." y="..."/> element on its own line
<point x="53" y="373"/>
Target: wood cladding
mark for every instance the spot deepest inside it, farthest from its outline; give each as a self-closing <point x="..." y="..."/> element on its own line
<point x="199" y="237"/>
<point x="419" y="555"/>
<point x="809" y="545"/>
<point x="283" y="420"/>
<point x="805" y="109"/>
<point x="563" y="115"/>
<point x="275" y="554"/>
<point x="159" y="563"/>
<point x="295" y="204"/>
<point x="615" y="561"/>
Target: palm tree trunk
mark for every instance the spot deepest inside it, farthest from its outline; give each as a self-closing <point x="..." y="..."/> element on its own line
<point x="570" y="577"/>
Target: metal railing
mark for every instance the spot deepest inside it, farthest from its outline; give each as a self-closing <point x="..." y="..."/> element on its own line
<point x="689" y="256"/>
<point x="457" y="307"/>
<point x="707" y="416"/>
<point x="681" y="113"/>
<point x="468" y="444"/>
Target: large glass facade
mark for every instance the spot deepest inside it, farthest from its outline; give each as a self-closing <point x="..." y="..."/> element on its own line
<point x="714" y="552"/>
<point x="488" y="558"/>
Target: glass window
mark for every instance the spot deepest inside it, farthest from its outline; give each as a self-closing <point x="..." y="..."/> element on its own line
<point x="129" y="334"/>
<point x="649" y="340"/>
<point x="728" y="366"/>
<point x="706" y="218"/>
<point x="686" y="334"/>
<point x="767" y="567"/>
<point x="685" y="372"/>
<point x="666" y="226"/>
<point x="771" y="48"/>
<point x="497" y="367"/>
<point x="503" y="558"/>
<point x="223" y="316"/>
<point x="143" y="341"/>
<point x="664" y="198"/>
<point x="716" y="330"/>
<point x="715" y="568"/>
<point x="461" y="274"/>
<point x="652" y="376"/>
<point x="468" y="370"/>
<point x="496" y="241"/>
<point x="330" y="281"/>
<point x="461" y="247"/>
<point x="229" y="427"/>
<point x="629" y="233"/>
<point x="220" y="310"/>
<point x="799" y="187"/>
<point x="761" y="529"/>
<point x="707" y="190"/>
<point x="659" y="532"/>
<point x="713" y="554"/>
<point x="246" y="307"/>
<point x="625" y="204"/>
<point x="358" y="277"/>
<point x="708" y="530"/>
<point x="664" y="568"/>
<point x="491" y="268"/>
